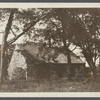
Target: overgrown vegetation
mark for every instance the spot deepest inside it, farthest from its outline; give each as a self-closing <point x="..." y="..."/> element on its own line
<point x="60" y="85"/>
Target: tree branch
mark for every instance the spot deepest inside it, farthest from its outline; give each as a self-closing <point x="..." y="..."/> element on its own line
<point x="31" y="24"/>
<point x="8" y="26"/>
<point x="97" y="57"/>
<point x="74" y="49"/>
<point x="13" y="32"/>
<point x="24" y="31"/>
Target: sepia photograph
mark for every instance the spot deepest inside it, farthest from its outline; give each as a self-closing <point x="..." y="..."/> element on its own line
<point x="49" y="48"/>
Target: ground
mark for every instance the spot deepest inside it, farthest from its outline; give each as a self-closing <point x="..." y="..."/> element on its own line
<point x="61" y="85"/>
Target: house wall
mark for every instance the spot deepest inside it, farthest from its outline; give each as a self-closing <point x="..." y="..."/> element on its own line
<point x="38" y="70"/>
<point x="25" y="57"/>
<point x="17" y="66"/>
<point x="52" y="71"/>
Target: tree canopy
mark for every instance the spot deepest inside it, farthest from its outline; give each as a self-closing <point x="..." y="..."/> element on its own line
<point x="57" y="27"/>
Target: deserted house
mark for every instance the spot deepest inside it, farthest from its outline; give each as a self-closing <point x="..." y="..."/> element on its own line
<point x="39" y="61"/>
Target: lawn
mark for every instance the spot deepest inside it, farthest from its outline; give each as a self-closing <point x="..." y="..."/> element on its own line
<point x="61" y="85"/>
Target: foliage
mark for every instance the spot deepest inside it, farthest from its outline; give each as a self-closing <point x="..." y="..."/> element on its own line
<point x="19" y="23"/>
<point x="58" y="27"/>
<point x="85" y="32"/>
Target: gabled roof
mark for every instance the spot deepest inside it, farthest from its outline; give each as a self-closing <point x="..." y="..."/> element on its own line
<point x="47" y="54"/>
<point x="62" y="58"/>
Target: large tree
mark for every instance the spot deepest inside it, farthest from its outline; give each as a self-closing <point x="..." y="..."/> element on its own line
<point x="65" y="18"/>
<point x="78" y="26"/>
<point x="85" y="31"/>
<point x="4" y="44"/>
<point x="20" y="21"/>
<point x="56" y="32"/>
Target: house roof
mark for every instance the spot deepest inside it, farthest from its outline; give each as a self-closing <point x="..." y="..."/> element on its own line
<point x="63" y="59"/>
<point x="41" y="52"/>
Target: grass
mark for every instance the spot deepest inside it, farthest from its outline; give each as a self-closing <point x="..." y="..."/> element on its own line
<point x="61" y="85"/>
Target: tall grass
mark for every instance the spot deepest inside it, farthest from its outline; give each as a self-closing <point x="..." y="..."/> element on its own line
<point x="62" y="85"/>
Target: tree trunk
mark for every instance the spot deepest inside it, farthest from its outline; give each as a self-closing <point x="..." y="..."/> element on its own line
<point x="94" y="70"/>
<point x="69" y="65"/>
<point x="64" y="37"/>
<point x="2" y="60"/>
<point x="3" y="46"/>
<point x="91" y="63"/>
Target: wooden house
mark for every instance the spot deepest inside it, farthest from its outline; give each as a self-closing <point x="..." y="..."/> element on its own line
<point x="38" y="62"/>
